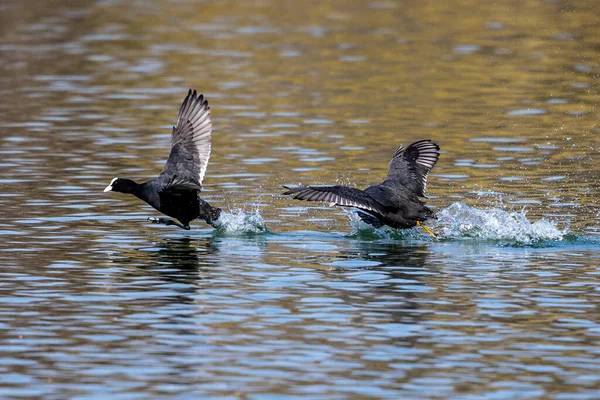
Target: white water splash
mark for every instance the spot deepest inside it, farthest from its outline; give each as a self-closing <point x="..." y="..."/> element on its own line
<point x="459" y="221"/>
<point x="241" y="222"/>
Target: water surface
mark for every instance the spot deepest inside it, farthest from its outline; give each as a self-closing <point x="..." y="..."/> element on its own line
<point x="291" y="299"/>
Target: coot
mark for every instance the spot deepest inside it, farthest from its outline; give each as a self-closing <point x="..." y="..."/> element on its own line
<point x="175" y="191"/>
<point x="395" y="202"/>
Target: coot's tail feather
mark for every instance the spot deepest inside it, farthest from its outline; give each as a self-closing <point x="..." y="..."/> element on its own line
<point x="370" y="219"/>
<point x="208" y="213"/>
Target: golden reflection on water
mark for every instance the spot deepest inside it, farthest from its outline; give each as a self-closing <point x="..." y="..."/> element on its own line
<point x="335" y="75"/>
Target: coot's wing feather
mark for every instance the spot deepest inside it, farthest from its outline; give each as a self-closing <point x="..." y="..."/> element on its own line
<point x="410" y="166"/>
<point x="190" y="152"/>
<point x="338" y="195"/>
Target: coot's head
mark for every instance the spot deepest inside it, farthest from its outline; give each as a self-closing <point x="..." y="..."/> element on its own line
<point x="121" y="185"/>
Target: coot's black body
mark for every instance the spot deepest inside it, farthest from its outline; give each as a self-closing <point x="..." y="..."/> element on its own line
<point x="395" y="202"/>
<point x="175" y="191"/>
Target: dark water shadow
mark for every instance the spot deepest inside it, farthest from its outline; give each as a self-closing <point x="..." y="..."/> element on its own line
<point x="177" y="263"/>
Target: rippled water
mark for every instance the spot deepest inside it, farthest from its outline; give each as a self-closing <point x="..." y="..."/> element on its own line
<point x="289" y="299"/>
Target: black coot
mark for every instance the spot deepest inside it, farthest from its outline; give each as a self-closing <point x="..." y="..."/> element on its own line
<point x="175" y="191"/>
<point x="395" y="202"/>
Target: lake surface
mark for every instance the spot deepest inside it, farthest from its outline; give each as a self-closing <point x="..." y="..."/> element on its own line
<point x="288" y="299"/>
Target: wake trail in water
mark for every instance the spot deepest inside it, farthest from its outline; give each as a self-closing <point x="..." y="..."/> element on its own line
<point x="462" y="222"/>
<point x="241" y="222"/>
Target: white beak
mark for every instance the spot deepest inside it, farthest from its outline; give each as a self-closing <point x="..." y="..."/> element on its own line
<point x="109" y="187"/>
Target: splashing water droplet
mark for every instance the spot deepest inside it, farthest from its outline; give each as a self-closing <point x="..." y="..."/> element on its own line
<point x="459" y="221"/>
<point x="241" y="222"/>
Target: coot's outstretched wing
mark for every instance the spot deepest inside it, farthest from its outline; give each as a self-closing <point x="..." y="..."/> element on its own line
<point x="335" y="195"/>
<point x="410" y="166"/>
<point x="190" y="142"/>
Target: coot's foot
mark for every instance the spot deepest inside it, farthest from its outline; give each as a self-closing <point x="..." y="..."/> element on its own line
<point x="167" y="222"/>
<point x="419" y="223"/>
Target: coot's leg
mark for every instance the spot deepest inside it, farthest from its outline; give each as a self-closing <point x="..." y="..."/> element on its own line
<point x="167" y="222"/>
<point x="419" y="223"/>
